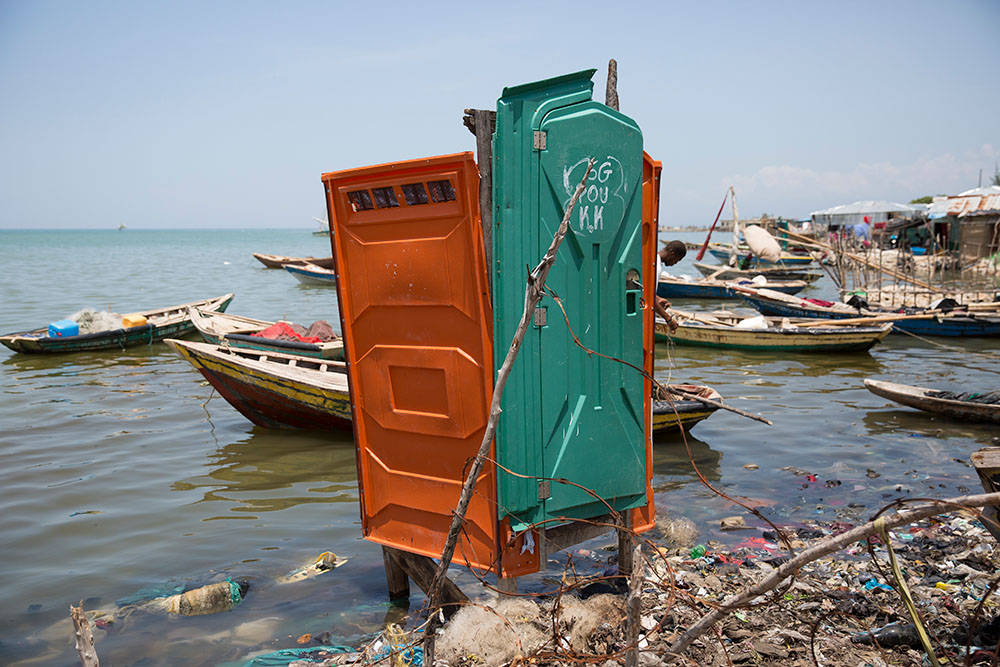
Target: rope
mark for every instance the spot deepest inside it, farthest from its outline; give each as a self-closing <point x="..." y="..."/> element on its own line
<point x="896" y="329"/>
<point x="904" y="592"/>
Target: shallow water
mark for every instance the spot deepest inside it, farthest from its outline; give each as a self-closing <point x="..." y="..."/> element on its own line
<point x="123" y="470"/>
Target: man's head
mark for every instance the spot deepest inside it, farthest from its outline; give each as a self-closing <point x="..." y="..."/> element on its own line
<point x="672" y="253"/>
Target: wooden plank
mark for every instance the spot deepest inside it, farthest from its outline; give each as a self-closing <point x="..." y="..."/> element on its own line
<point x="987" y="464"/>
<point x="632" y="608"/>
<point x="395" y="576"/>
<point x="421" y="570"/>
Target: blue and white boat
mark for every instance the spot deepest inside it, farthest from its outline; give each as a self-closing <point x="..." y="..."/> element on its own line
<point x="706" y="288"/>
<point x="310" y="274"/>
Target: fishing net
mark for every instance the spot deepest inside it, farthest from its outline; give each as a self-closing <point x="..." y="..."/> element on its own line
<point x="92" y="320"/>
<point x="988" y="398"/>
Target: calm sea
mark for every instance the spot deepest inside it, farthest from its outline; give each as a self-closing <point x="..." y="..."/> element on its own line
<point x="123" y="471"/>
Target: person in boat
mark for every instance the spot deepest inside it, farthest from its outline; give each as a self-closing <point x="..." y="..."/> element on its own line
<point x="671" y="253"/>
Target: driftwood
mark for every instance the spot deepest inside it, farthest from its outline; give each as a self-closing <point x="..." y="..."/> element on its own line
<point x="534" y="291"/>
<point x="828" y="546"/>
<point x="84" y="637"/>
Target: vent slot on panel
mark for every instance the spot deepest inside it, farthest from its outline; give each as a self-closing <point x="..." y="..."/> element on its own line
<point x="441" y="191"/>
<point x="385" y="197"/>
<point x="360" y="200"/>
<point x="414" y="194"/>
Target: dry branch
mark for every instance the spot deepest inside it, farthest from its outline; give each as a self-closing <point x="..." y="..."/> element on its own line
<point x="825" y="547"/>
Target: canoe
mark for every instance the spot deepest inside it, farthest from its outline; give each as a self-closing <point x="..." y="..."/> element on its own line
<point x="769" y="272"/>
<point x="717" y="330"/>
<point x="274" y="389"/>
<point x="277" y="390"/>
<point x="706" y="288"/>
<point x="953" y="324"/>
<point x="722" y="253"/>
<point x="238" y="331"/>
<point x="310" y="274"/>
<point x="170" y="322"/>
<point x="923" y="398"/>
<point x="670" y="415"/>
<point x="278" y="261"/>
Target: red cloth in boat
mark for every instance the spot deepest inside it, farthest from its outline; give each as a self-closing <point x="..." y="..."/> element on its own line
<point x="318" y="332"/>
<point x="284" y="331"/>
<point x="820" y="302"/>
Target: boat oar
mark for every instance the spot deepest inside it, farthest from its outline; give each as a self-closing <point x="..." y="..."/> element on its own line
<point x="708" y="401"/>
<point x="875" y="319"/>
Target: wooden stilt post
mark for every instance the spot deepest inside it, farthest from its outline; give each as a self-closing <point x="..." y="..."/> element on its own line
<point x="421" y="569"/>
<point x="483" y="123"/>
<point x="395" y="576"/>
<point x="987" y="463"/>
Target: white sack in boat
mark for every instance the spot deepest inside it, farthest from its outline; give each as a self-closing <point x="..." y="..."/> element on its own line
<point x="753" y="323"/>
<point x="762" y="244"/>
<point x="759" y="280"/>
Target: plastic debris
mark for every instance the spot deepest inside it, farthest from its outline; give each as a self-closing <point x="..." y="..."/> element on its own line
<point x="325" y="562"/>
<point x="210" y="599"/>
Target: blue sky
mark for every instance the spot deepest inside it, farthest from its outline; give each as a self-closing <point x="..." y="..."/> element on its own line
<point x="224" y="114"/>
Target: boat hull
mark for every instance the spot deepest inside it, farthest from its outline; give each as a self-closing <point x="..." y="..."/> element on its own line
<point x="689" y="413"/>
<point x="31" y="342"/>
<point x="815" y="339"/>
<point x="269" y="397"/>
<point x="786" y="259"/>
<point x="945" y="326"/>
<point x="915" y="397"/>
<point x="307" y="277"/>
<point x="775" y="273"/>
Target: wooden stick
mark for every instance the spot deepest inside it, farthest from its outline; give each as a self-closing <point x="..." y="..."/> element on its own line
<point x="828" y="546"/>
<point x="708" y="401"/>
<point x="532" y="294"/>
<point x="84" y="637"/>
<point x="633" y="602"/>
<point x="874" y="319"/>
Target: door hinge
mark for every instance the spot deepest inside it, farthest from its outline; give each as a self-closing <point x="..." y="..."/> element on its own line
<point x="543" y="490"/>
<point x="539" y="142"/>
<point x="541" y="316"/>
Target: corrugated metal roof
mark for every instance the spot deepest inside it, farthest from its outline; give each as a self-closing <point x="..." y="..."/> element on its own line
<point x="982" y="201"/>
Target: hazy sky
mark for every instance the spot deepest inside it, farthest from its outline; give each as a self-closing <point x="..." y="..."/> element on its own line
<point x="224" y="114"/>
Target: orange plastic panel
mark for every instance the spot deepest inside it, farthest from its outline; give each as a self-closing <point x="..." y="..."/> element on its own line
<point x="641" y="518"/>
<point x="417" y="323"/>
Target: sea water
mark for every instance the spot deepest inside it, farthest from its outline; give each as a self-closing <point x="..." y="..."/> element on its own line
<point x="123" y="471"/>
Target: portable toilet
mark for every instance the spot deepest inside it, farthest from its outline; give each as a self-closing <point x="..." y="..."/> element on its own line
<point x="569" y="414"/>
<point x="423" y="342"/>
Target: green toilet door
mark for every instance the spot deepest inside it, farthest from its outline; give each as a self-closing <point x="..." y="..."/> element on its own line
<point x="591" y="409"/>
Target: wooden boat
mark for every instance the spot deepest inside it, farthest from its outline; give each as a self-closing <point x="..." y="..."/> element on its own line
<point x="173" y="321"/>
<point x="310" y="274"/>
<point x="723" y="252"/>
<point x="923" y="398"/>
<point x="274" y="389"/>
<point x="707" y="288"/>
<point x="769" y="272"/>
<point x="719" y="330"/>
<point x="238" y="331"/>
<point x="955" y="323"/>
<point x="670" y="415"/>
<point x="278" y="261"/>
